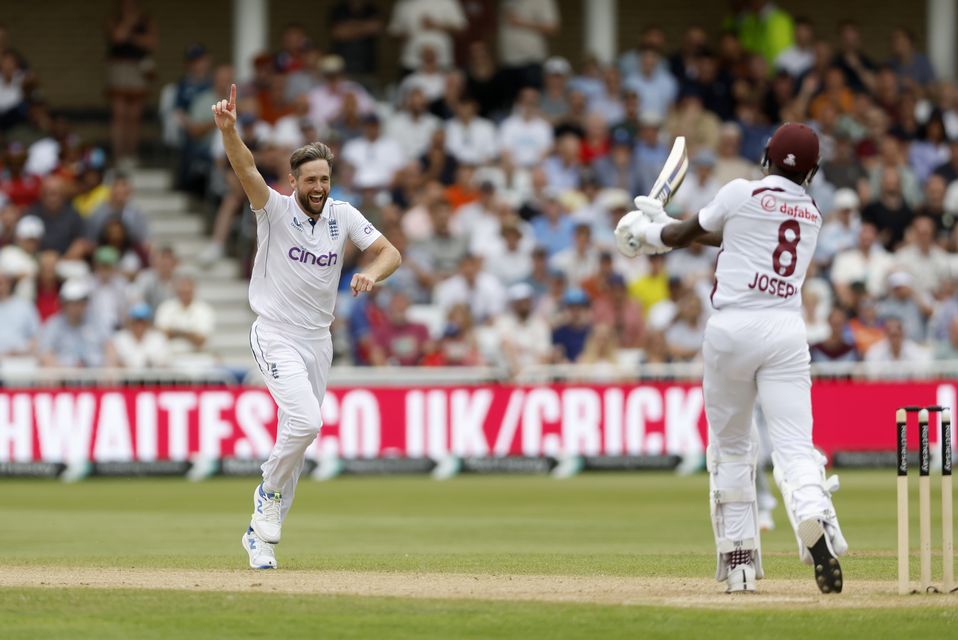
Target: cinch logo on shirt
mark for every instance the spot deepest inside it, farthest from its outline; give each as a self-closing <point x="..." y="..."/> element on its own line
<point x="299" y="254"/>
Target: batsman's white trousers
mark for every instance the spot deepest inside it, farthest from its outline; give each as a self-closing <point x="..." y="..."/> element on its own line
<point x="763" y="355"/>
<point x="295" y="363"/>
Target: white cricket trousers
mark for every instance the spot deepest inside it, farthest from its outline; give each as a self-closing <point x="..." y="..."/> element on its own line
<point x="763" y="355"/>
<point x="295" y="364"/>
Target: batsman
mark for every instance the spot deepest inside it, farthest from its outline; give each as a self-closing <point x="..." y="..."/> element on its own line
<point x="756" y="349"/>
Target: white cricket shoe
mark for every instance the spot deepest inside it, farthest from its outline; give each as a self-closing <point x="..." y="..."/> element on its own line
<point x="266" y="520"/>
<point x="741" y="579"/>
<point x="261" y="553"/>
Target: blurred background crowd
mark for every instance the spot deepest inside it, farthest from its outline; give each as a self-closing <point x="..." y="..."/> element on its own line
<point x="499" y="170"/>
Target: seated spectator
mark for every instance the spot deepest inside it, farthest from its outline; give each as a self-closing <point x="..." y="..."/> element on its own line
<point x="469" y="138"/>
<point x="120" y="205"/>
<point x="903" y="304"/>
<point x="19" y="320"/>
<point x="689" y="118"/>
<point x="701" y="185"/>
<point x="453" y="94"/>
<point x="420" y="22"/>
<point x="196" y="78"/>
<point x="64" y="229"/>
<point x="458" y="346"/>
<point x="930" y="150"/>
<point x="510" y="259"/>
<point x="580" y="261"/>
<point x="186" y="321"/>
<point x="618" y="169"/>
<point x="910" y="65"/>
<point x="538" y="277"/>
<point x="14" y="86"/>
<point x="69" y="338"/>
<point x="798" y="58"/>
<point x="555" y="99"/>
<point x="564" y="167"/>
<point x="46" y="285"/>
<point x="927" y="263"/>
<point x="481" y="290"/>
<point x="652" y="287"/>
<point x="399" y="341"/>
<point x="948" y="349"/>
<point x="839" y="345"/>
<point x="109" y="297"/>
<point x="140" y="346"/>
<point x="656" y="87"/>
<point x="891" y="160"/>
<point x="841" y="229"/>
<point x="412" y="126"/>
<point x="154" y="286"/>
<point x="934" y="206"/>
<point x="91" y="192"/>
<point x="429" y="78"/>
<point x="729" y="163"/>
<point x="867" y="262"/>
<point x="199" y="131"/>
<point x="20" y="188"/>
<point x="601" y="354"/>
<point x="896" y="347"/>
<point x="437" y="163"/>
<point x="570" y="336"/>
<point x="843" y="170"/>
<point x="620" y="312"/>
<point x="595" y="143"/>
<point x="326" y="99"/>
<point x="524" y="338"/>
<point x="526" y="135"/>
<point x="835" y="93"/>
<point x="650" y="150"/>
<point x="20" y="258"/>
<point x="687" y="332"/>
<point x="553" y="228"/>
<point x="947" y="170"/>
<point x="374" y="157"/>
<point x="486" y="81"/>
<point x="464" y="190"/>
<point x="443" y="249"/>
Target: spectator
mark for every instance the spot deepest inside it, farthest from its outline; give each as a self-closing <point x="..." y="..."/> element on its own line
<point x="931" y="150"/>
<point x="609" y="104"/>
<point x="868" y="263"/>
<point x="564" y="167"/>
<point x="948" y="349"/>
<point x="683" y="63"/>
<point x="485" y="81"/>
<point x="798" y="58"/>
<point x="327" y="99"/>
<point x="46" y="285"/>
<point x="436" y="162"/>
<point x="843" y="170"/>
<point x="523" y="337"/>
<point x="510" y="259"/>
<point x="618" y="169"/>
<point x="835" y="94"/>
<point x="730" y="164"/>
<point x="595" y="143"/>
<point x="422" y="22"/>
<point x="430" y="77"/>
<point x="20" y="188"/>
<point x="553" y="228"/>
<point x="458" y="345"/>
<point x="64" y="229"/>
<point x="196" y="78"/>
<point x="121" y="207"/>
<point x="155" y="285"/>
<point x="523" y="28"/>
<point x="620" y="312"/>
<point x="701" y="187"/>
<point x="650" y="151"/>
<point x="628" y="123"/>
<point x="652" y="287"/>
<point x="109" y="297"/>
<point x="14" y="83"/>
<point x="841" y="229"/>
<point x="866" y="328"/>
<point x="199" y="131"/>
<point x="838" y="346"/>
<point x="689" y="118"/>
<point x="934" y="206"/>
<point x="580" y="261"/>
<point x="928" y="264"/>
<point x="896" y="347"/>
<point x="857" y="67"/>
<point x="601" y="353"/>
<point x="69" y="338"/>
<point x="655" y="86"/>
<point x="555" y="99"/>
<point x="20" y="258"/>
<point x="186" y="321"/>
<point x="903" y="304"/>
<point x="570" y="336"/>
<point x="469" y="138"/>
<point x="687" y="331"/>
<point x="399" y="341"/>
<point x="413" y="127"/>
<point x="472" y="285"/>
<point x="355" y="27"/>
<point x="889" y="213"/>
<point x="374" y="157"/>
<point x="947" y="170"/>
<point x="139" y="345"/>
<point x="526" y="135"/>
<point x="131" y="39"/>
<point x="911" y="66"/>
<point x="19" y="320"/>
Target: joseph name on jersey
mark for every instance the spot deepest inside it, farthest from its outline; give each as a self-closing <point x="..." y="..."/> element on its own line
<point x="769" y="231"/>
<point x="298" y="264"/>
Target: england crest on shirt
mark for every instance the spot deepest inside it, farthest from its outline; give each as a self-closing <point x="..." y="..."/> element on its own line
<point x="333" y="229"/>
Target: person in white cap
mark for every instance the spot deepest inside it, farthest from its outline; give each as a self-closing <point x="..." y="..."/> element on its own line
<point x="841" y="229"/>
<point x="20" y="258"/>
<point x="69" y="339"/>
<point x="524" y="337"/>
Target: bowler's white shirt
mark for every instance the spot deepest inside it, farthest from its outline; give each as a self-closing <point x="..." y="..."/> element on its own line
<point x="298" y="264"/>
<point x="769" y="231"/>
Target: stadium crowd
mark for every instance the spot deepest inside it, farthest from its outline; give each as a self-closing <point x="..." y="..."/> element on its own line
<point x="500" y="173"/>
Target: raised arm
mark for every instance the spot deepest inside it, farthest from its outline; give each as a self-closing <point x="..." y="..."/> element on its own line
<point x="240" y="157"/>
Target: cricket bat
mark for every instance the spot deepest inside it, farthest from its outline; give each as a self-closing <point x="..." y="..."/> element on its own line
<point x="672" y="174"/>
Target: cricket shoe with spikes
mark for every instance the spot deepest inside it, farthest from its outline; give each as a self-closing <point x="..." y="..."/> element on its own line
<point x="828" y="572"/>
<point x="741" y="573"/>
<point x="261" y="553"/>
<point x="267" y="518"/>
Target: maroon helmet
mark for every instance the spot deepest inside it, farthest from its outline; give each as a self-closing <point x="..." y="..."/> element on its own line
<point x="793" y="149"/>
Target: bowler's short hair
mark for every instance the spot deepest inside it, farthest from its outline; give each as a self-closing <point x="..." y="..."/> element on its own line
<point x="308" y="153"/>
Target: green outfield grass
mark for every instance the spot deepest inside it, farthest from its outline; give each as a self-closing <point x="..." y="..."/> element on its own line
<point x="651" y="524"/>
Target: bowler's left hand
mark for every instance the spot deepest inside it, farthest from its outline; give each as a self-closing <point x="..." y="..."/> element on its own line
<point x="361" y="282"/>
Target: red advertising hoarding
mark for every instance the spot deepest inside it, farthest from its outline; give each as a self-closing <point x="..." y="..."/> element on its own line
<point x="107" y="425"/>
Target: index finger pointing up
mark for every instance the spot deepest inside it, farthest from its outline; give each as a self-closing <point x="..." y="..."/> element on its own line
<point x="232" y="104"/>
